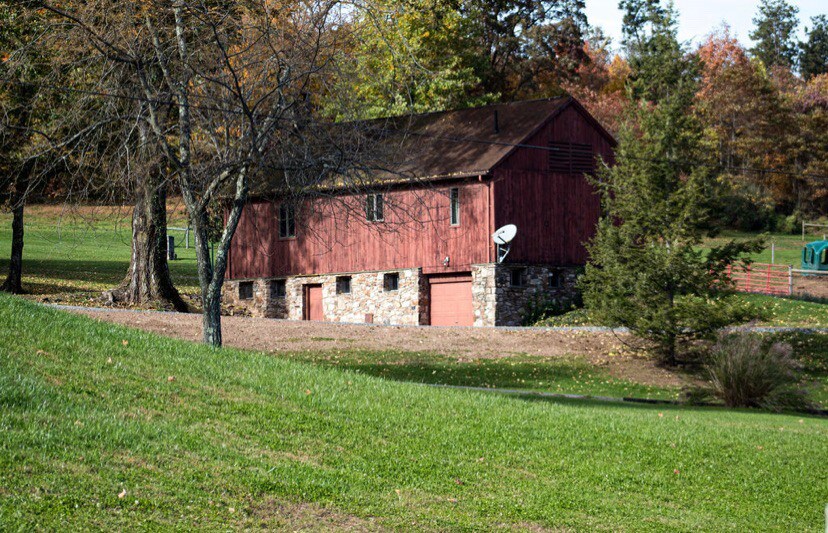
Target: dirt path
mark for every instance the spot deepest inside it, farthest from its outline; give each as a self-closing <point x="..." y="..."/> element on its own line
<point x="599" y="348"/>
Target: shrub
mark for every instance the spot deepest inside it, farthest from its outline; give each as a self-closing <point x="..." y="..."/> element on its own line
<point x="740" y="212"/>
<point x="540" y="309"/>
<point x="789" y="224"/>
<point x="745" y="372"/>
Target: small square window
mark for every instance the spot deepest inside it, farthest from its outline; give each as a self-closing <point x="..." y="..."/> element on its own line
<point x="391" y="282"/>
<point x="343" y="285"/>
<point x="454" y="201"/>
<point x="374" y="208"/>
<point x="246" y="290"/>
<point x="516" y="279"/>
<point x="555" y="279"/>
<point x="278" y="288"/>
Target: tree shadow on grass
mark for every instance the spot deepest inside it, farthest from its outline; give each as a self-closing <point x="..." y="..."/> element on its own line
<point x="665" y="409"/>
<point x="82" y="275"/>
<point x="558" y="375"/>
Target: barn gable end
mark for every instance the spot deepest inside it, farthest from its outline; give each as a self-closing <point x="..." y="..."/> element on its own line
<point x="555" y="212"/>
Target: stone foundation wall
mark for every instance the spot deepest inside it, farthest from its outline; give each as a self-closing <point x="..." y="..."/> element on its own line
<point x="496" y="301"/>
<point x="484" y="294"/>
<point x="367" y="297"/>
<point x="537" y="289"/>
<point x="262" y="304"/>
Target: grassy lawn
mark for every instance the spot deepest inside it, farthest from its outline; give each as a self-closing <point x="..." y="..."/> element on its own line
<point x="108" y="428"/>
<point x="527" y="373"/>
<point x="790" y="312"/>
<point x="572" y="375"/>
<point x="788" y="247"/>
<point x="812" y="353"/>
<point x="78" y="254"/>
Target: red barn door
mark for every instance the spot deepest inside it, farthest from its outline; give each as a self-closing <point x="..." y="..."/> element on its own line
<point x="451" y="300"/>
<point x="313" y="303"/>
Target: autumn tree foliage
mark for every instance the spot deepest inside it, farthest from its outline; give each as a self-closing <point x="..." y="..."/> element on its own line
<point x="531" y="46"/>
<point x="427" y="55"/>
<point x="600" y="83"/>
<point x="810" y="103"/>
<point x="409" y="57"/>
<point x="658" y="62"/>
<point x="748" y="124"/>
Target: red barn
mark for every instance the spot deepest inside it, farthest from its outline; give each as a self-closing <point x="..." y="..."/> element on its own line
<point x="422" y="252"/>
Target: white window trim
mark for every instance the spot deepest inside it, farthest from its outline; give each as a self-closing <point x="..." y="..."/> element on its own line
<point x="452" y="199"/>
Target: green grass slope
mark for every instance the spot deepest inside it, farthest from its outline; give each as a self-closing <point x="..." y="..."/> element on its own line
<point x="85" y="254"/>
<point x="105" y="427"/>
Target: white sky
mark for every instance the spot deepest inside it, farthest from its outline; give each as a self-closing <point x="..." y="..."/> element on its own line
<point x="697" y="18"/>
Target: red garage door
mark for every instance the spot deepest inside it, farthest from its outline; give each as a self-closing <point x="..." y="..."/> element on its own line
<point x="451" y="300"/>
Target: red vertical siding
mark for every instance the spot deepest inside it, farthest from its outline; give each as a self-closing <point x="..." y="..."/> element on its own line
<point x="333" y="235"/>
<point x="555" y="213"/>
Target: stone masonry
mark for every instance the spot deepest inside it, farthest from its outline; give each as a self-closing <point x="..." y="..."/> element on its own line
<point x="500" y="297"/>
<point x="367" y="300"/>
<point x="537" y="289"/>
<point x="499" y="302"/>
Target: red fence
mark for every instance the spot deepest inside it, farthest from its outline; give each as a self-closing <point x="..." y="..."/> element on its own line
<point x="762" y="278"/>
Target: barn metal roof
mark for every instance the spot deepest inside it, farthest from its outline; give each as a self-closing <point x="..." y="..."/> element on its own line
<point x="432" y="146"/>
<point x="467" y="142"/>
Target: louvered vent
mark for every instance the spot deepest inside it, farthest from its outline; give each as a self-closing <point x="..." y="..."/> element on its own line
<point x="571" y="158"/>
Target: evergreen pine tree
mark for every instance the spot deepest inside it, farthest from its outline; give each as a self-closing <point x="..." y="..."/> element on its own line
<point x="774" y="32"/>
<point x="646" y="270"/>
<point x="813" y="60"/>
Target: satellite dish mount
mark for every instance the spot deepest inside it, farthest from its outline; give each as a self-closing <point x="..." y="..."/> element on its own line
<point x="503" y="239"/>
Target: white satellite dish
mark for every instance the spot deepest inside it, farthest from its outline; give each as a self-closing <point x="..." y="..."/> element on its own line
<point x="503" y="238"/>
<point x="505" y="234"/>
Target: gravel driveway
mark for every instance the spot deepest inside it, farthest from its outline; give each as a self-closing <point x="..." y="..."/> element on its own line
<point x="599" y="348"/>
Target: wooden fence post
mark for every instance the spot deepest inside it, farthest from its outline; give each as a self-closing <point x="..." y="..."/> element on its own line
<point x="790" y="280"/>
<point x="747" y="278"/>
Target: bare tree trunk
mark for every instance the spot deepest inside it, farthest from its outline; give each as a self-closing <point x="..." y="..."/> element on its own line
<point x="211" y="271"/>
<point x="211" y="318"/>
<point x="13" y="279"/>
<point x="210" y="299"/>
<point x="13" y="282"/>
<point x="148" y="279"/>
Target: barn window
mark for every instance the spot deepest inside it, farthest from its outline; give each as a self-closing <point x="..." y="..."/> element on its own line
<point x="516" y="277"/>
<point x="555" y="279"/>
<point x="373" y="208"/>
<point x="287" y="221"/>
<point x="571" y="158"/>
<point x="454" y="200"/>
<point x="391" y="282"/>
<point x="246" y="290"/>
<point x="343" y="285"/>
<point x="278" y="289"/>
